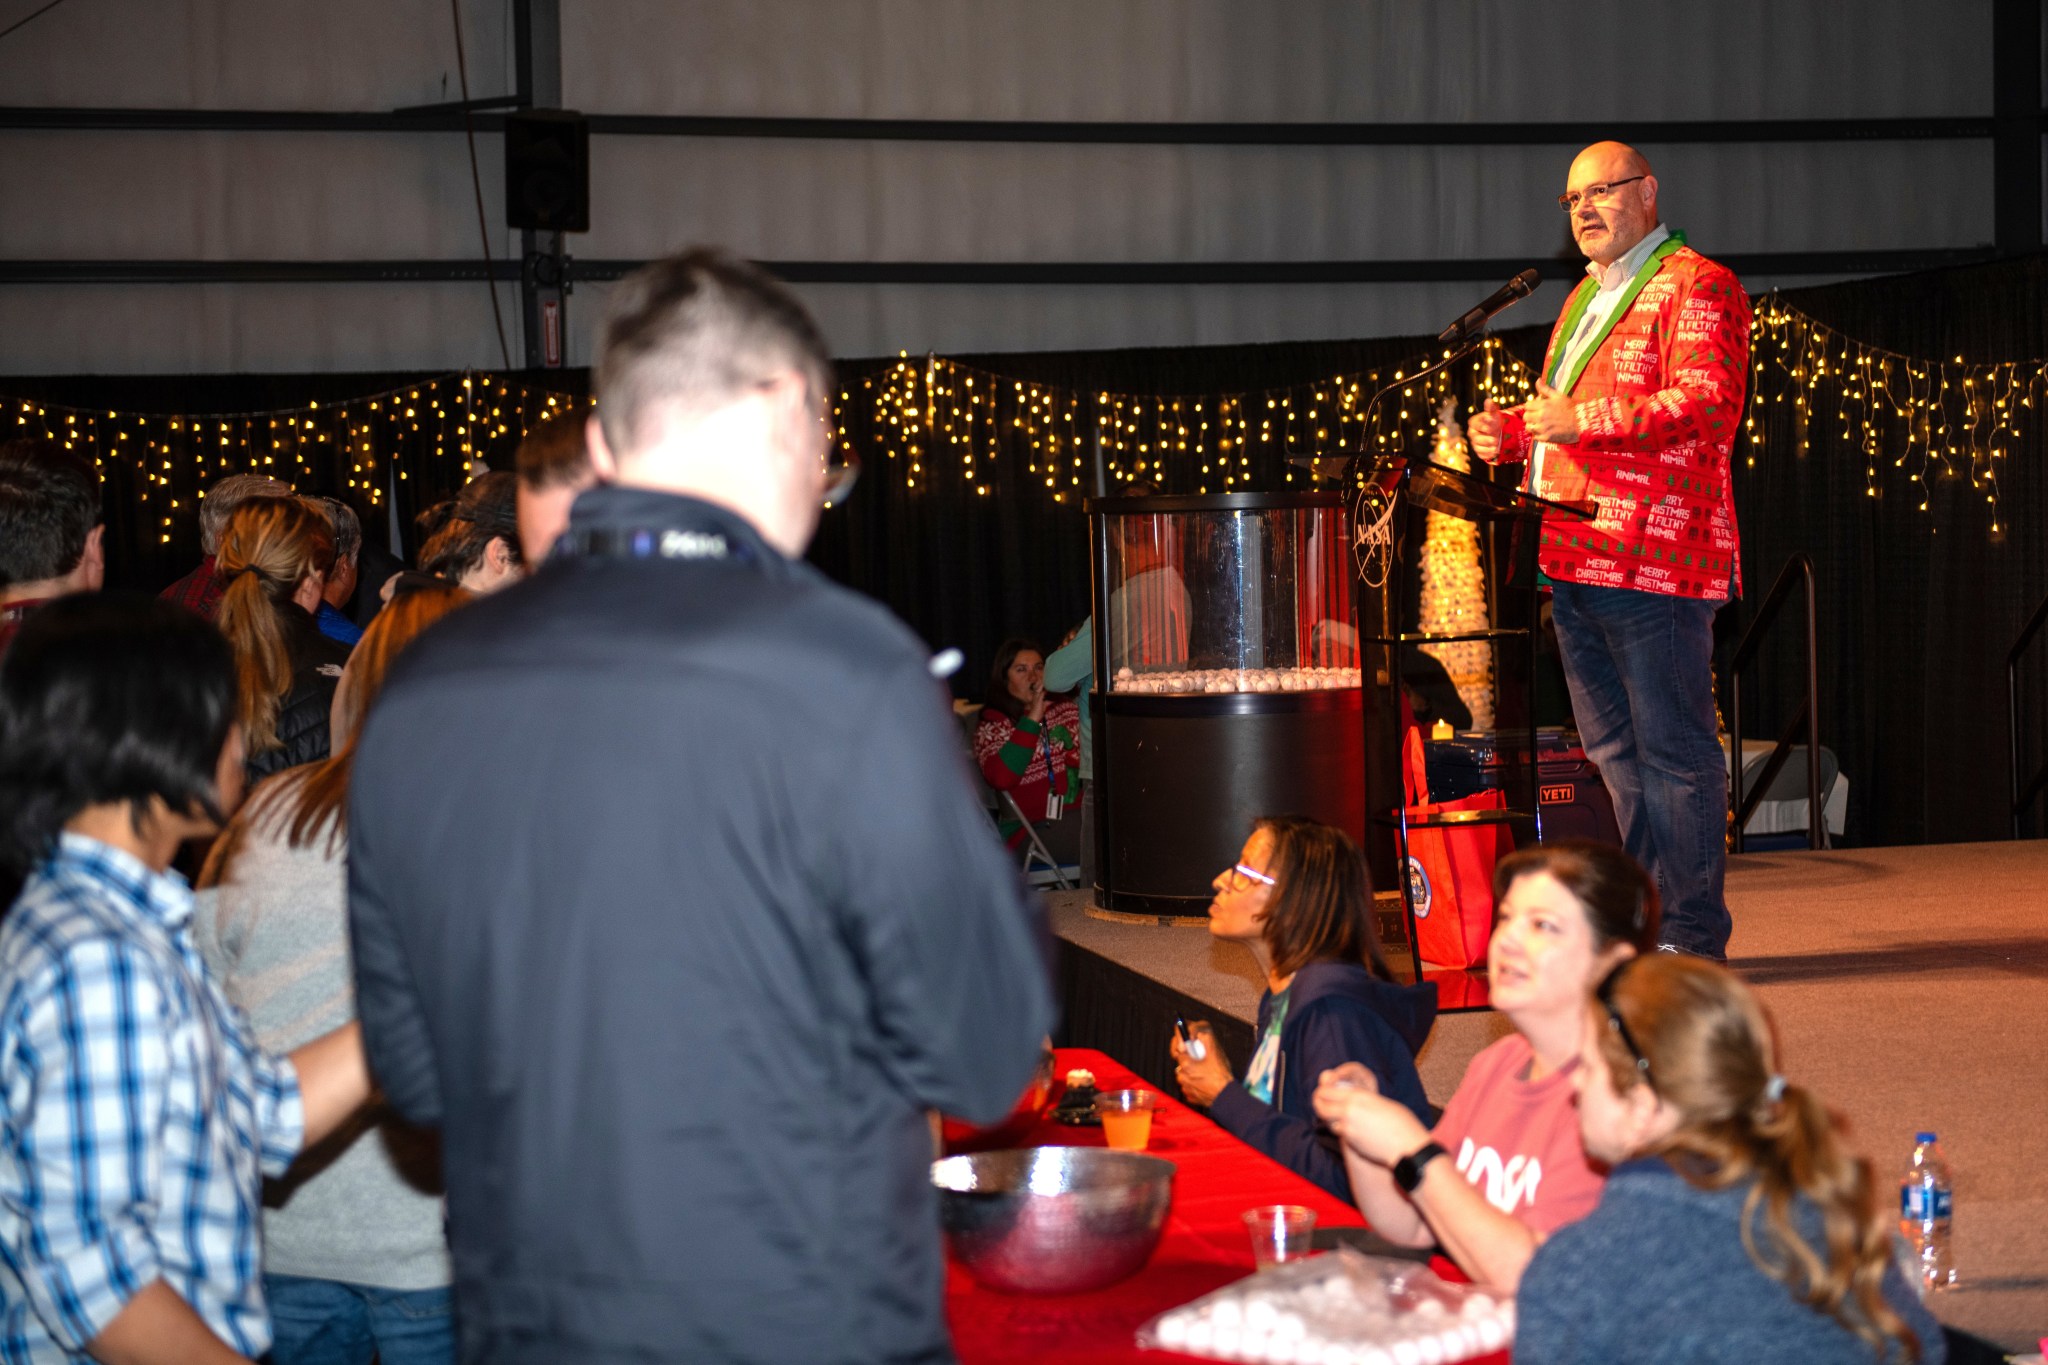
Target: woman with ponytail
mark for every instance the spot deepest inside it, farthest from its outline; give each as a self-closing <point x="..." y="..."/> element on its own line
<point x="1735" y="1226"/>
<point x="274" y="557"/>
<point x="474" y="542"/>
<point x="354" y="1260"/>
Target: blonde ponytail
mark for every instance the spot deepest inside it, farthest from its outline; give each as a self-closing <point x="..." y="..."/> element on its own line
<point x="1712" y="1052"/>
<point x="269" y="547"/>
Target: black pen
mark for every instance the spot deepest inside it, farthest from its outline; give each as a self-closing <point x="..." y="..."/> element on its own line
<point x="1195" y="1049"/>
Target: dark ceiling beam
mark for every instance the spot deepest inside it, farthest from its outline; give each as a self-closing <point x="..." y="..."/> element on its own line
<point x="1480" y="269"/>
<point x="425" y="120"/>
<point x="1575" y="133"/>
<point x="251" y="272"/>
<point x="1303" y="134"/>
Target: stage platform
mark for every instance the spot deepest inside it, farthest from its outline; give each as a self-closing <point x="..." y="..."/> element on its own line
<point x="1910" y="987"/>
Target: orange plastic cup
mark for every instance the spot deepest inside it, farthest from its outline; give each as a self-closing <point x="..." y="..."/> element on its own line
<point x="1126" y="1118"/>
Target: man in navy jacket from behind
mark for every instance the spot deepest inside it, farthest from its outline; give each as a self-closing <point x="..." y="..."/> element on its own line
<point x="672" y="906"/>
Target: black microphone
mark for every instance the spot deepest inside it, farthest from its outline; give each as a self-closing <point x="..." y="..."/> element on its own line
<point x="1520" y="287"/>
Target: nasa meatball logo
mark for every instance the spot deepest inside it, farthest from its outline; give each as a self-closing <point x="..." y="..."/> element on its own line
<point x="1418" y="887"/>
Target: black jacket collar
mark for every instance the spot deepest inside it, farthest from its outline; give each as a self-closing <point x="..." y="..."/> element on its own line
<point x="608" y="520"/>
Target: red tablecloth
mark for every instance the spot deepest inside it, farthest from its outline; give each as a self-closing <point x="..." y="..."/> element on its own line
<point x="1203" y="1248"/>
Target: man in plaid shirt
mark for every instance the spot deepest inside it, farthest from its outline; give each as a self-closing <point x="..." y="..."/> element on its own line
<point x="139" y="1115"/>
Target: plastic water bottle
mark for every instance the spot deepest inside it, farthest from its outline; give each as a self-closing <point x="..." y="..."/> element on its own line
<point x="1925" y="1209"/>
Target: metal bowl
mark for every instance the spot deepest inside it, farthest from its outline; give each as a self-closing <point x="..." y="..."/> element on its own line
<point x="1052" y="1220"/>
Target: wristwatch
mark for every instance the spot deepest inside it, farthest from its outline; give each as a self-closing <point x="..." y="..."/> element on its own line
<point x="1408" y="1170"/>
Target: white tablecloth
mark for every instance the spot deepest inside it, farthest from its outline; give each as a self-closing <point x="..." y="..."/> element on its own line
<point x="1789" y="815"/>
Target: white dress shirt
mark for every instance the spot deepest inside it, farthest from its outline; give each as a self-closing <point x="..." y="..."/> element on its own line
<point x="1613" y="281"/>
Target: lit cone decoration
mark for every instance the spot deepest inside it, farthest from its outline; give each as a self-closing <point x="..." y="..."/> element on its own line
<point x="1453" y="587"/>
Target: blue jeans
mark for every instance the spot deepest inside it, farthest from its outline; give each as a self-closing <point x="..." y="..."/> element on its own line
<point x="1641" y="673"/>
<point x="327" y="1322"/>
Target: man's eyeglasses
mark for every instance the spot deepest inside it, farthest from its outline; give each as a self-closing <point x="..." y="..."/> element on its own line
<point x="842" y="465"/>
<point x="1570" y="202"/>
<point x="840" y="461"/>
<point x="1241" y="878"/>
<point x="1604" y="993"/>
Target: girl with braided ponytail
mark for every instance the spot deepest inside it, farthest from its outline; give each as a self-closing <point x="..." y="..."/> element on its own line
<point x="1735" y="1226"/>
<point x="274" y="556"/>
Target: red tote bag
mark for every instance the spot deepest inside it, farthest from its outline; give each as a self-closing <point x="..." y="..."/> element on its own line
<point x="1450" y="871"/>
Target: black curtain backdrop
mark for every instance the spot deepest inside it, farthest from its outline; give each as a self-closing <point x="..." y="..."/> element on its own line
<point x="1917" y="608"/>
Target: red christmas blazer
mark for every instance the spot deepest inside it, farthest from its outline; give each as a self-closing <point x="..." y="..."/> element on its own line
<point x="1659" y="404"/>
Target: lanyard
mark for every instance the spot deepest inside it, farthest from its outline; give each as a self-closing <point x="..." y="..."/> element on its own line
<point x="646" y="542"/>
<point x="1053" y="804"/>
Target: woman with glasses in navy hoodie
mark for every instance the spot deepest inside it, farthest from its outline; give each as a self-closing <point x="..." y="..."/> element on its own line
<point x="1300" y="900"/>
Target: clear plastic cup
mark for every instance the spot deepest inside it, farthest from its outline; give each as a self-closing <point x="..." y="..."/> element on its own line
<point x="1280" y="1232"/>
<point x="1126" y="1118"/>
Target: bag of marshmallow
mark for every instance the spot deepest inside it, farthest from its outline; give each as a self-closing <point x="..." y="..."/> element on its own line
<point x="1343" y="1308"/>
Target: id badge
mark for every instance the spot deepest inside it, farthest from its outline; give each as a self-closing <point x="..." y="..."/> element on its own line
<point x="1053" y="804"/>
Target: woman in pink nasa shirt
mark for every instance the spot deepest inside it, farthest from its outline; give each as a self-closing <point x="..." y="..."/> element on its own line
<point x="1513" y="1167"/>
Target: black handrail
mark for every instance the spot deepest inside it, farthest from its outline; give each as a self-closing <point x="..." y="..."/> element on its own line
<point x="2022" y="797"/>
<point x="1808" y="718"/>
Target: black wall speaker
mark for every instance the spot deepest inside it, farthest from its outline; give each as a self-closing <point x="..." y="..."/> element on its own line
<point x="547" y="171"/>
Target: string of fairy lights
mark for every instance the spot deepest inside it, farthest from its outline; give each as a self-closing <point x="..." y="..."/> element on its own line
<point x="1923" y="417"/>
<point x="362" y="446"/>
<point x="930" y="417"/>
<point x="925" y="422"/>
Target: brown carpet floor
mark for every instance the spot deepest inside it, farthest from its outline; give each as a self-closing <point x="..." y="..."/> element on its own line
<point x="1910" y="988"/>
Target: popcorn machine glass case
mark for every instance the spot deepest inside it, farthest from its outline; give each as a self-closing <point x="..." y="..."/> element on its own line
<point x="1227" y="685"/>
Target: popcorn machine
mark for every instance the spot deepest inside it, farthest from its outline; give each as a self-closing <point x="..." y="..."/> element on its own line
<point x="1226" y="685"/>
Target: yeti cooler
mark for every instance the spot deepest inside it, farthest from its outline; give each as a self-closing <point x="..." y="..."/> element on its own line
<point x="1575" y="801"/>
